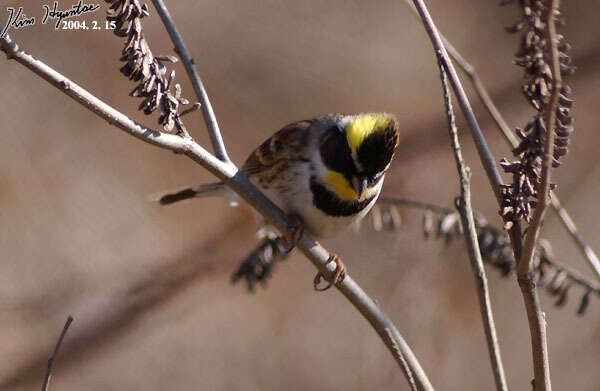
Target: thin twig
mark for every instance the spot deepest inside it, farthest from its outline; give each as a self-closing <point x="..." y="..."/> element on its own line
<point x="479" y="219"/>
<point x="481" y="91"/>
<point x="190" y="67"/>
<point x="414" y="204"/>
<point x="525" y="266"/>
<point x="509" y="136"/>
<point x="53" y="356"/>
<point x="485" y="155"/>
<point x="466" y="213"/>
<point x="190" y="109"/>
<point x="494" y="247"/>
<point x="567" y="222"/>
<point x="534" y="314"/>
<point x="572" y="275"/>
<point x="230" y="175"/>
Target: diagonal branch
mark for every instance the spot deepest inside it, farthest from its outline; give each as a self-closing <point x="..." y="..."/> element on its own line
<point x="230" y="175"/>
<point x="534" y="314"/>
<point x="485" y="155"/>
<point x="508" y="134"/>
<point x="463" y="204"/>
<point x="567" y="222"/>
<point x="190" y="67"/>
<point x="564" y="217"/>
<point x="55" y="352"/>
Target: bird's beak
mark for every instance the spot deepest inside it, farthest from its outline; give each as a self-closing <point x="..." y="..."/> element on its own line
<point x="359" y="184"/>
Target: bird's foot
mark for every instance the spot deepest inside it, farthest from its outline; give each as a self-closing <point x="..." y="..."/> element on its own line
<point x="340" y="273"/>
<point x="295" y="230"/>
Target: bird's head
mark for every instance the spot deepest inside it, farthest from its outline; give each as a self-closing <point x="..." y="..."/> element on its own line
<point x="357" y="150"/>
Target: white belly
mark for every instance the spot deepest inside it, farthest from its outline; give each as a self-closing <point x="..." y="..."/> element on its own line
<point x="299" y="201"/>
<point x="322" y="225"/>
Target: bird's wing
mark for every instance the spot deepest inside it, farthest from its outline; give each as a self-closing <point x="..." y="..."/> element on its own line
<point x="275" y="154"/>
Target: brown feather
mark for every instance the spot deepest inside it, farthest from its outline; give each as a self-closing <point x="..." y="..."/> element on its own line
<point x="274" y="155"/>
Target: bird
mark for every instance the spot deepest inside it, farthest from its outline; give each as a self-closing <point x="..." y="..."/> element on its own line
<point x="326" y="173"/>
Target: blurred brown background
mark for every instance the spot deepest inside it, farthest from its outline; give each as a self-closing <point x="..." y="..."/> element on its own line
<point x="149" y="287"/>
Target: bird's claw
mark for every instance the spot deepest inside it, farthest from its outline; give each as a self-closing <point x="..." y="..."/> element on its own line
<point x="295" y="230"/>
<point x="340" y="273"/>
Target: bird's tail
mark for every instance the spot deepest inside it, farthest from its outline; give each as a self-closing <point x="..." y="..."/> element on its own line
<point x="208" y="189"/>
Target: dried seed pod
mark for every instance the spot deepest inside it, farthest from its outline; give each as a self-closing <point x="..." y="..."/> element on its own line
<point x="258" y="266"/>
<point x="154" y="80"/>
<point x="555" y="284"/>
<point x="541" y="275"/>
<point x="427" y="223"/>
<point x="385" y="217"/>
<point x="376" y="219"/>
<point x="562" y="298"/>
<point x="583" y="305"/>
<point x="447" y="223"/>
<point x="533" y="56"/>
<point x="496" y="250"/>
<point x="391" y="218"/>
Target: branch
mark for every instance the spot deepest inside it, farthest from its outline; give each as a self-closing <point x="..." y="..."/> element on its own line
<point x="525" y="266"/>
<point x="564" y="217"/>
<point x="486" y="157"/>
<point x="53" y="356"/>
<point x="534" y="314"/>
<point x="463" y="205"/>
<point x="190" y="67"/>
<point x="494" y="246"/>
<point x="571" y="228"/>
<point x="230" y="175"/>
<point x="491" y="108"/>
<point x="414" y="204"/>
<point x="508" y="134"/>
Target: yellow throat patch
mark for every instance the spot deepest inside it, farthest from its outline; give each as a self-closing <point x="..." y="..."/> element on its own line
<point x="341" y="185"/>
<point x="362" y="127"/>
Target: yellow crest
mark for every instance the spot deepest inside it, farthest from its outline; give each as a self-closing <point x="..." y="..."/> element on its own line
<point x="362" y="126"/>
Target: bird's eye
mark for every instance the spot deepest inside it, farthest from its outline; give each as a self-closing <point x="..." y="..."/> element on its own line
<point x="336" y="153"/>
